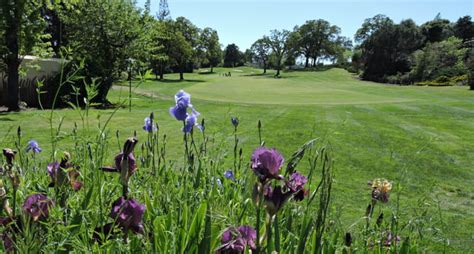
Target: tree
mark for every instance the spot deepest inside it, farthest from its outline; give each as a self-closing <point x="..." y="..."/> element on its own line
<point x="464" y="28"/>
<point x="437" y="29"/>
<point x="102" y="34"/>
<point x="210" y="46"/>
<point x="261" y="51"/>
<point x="191" y="34"/>
<point x="317" y="38"/>
<point x="277" y="41"/>
<point x="444" y="58"/>
<point x="180" y="52"/>
<point x="164" y="11"/>
<point x="20" y="36"/>
<point x="232" y="55"/>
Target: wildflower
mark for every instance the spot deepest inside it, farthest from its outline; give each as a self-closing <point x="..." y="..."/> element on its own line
<point x="266" y="163"/>
<point x="236" y="240"/>
<point x="389" y="238"/>
<point x="274" y="198"/>
<point x="33" y="146"/>
<point x="191" y="121"/>
<point x="128" y="214"/>
<point x="125" y="162"/>
<point x="9" y="155"/>
<point x="380" y="189"/>
<point x="57" y="172"/>
<point x="149" y="126"/>
<point x="183" y="101"/>
<point x="37" y="206"/>
<point x="296" y="182"/>
<point x="235" y="121"/>
<point x="229" y="175"/>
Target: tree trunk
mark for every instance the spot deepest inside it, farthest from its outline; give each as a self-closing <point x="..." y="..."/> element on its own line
<point x="314" y="62"/>
<point x="12" y="60"/>
<point x="212" y="69"/>
<point x="307" y="62"/>
<point x="278" y="72"/>
<point x="264" y="67"/>
<point x="181" y="71"/>
<point x="161" y="71"/>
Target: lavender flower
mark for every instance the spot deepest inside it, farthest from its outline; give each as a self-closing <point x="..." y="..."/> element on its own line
<point x="266" y="163"/>
<point x="229" y="175"/>
<point x="37" y="206"/>
<point x="275" y="198"/>
<point x="33" y="146"/>
<point x="128" y="214"/>
<point x="236" y="240"/>
<point x="190" y="122"/>
<point x="183" y="101"/>
<point x="296" y="182"/>
<point x="149" y="126"/>
<point x="9" y="155"/>
<point x="235" y="121"/>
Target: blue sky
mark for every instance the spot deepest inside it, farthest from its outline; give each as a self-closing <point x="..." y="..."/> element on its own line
<point x="244" y="21"/>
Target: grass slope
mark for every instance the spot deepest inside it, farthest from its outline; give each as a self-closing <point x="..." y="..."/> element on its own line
<point x="420" y="137"/>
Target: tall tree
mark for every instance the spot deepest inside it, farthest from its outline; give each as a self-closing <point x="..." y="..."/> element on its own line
<point x="464" y="28"/>
<point x="111" y="28"/>
<point x="163" y="11"/>
<point x="21" y="36"/>
<point x="278" y="43"/>
<point x="261" y="53"/>
<point x="437" y="29"/>
<point x="232" y="55"/>
<point x="211" y="47"/>
<point x="180" y="52"/>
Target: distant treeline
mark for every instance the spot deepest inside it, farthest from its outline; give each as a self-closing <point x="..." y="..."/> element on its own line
<point x="438" y="52"/>
<point x="109" y="39"/>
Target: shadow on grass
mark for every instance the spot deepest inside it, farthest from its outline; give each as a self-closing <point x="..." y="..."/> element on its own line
<point x="207" y="73"/>
<point x="178" y="81"/>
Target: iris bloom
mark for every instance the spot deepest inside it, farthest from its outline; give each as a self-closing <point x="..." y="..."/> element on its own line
<point x="125" y="162"/>
<point x="183" y="101"/>
<point x="149" y="126"/>
<point x="381" y="189"/>
<point x="191" y="121"/>
<point x="57" y="173"/>
<point x="266" y="163"/>
<point x="235" y="121"/>
<point x="229" y="175"/>
<point x="33" y="146"/>
<point x="37" y="206"/>
<point x="9" y="155"/>
<point x="128" y="214"/>
<point x="236" y="240"/>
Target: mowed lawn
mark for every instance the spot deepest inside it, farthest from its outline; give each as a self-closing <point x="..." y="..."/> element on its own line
<point x="418" y="137"/>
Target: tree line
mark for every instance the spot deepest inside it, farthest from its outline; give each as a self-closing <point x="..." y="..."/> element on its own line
<point x="109" y="38"/>
<point x="436" y="52"/>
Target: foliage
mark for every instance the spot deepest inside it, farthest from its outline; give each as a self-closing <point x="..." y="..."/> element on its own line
<point x="278" y="43"/>
<point x="232" y="56"/>
<point x="112" y="28"/>
<point x="210" y="46"/>
<point x="445" y="58"/>
<point x="260" y="52"/>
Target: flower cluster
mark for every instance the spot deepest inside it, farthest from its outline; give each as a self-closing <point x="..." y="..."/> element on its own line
<point x="37" y="206"/>
<point x="128" y="214"/>
<point x="237" y="240"/>
<point x="180" y="111"/>
<point x="380" y="190"/>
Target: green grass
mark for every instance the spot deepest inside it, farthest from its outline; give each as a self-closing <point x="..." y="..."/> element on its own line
<point x="420" y="137"/>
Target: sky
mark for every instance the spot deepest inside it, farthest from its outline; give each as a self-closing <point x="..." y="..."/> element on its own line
<point x="244" y="21"/>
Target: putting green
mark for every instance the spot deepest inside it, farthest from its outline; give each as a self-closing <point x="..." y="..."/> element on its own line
<point x="314" y="88"/>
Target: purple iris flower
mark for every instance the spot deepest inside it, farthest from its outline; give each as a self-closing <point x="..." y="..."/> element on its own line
<point x="275" y="198"/>
<point x="52" y="169"/>
<point x="37" y="206"/>
<point x="296" y="182"/>
<point x="128" y="214"/>
<point x="33" y="146"/>
<point x="235" y="121"/>
<point x="266" y="163"/>
<point x="235" y="240"/>
<point x="191" y="121"/>
<point x="229" y="175"/>
<point x="183" y="101"/>
<point x="149" y="126"/>
<point x="132" y="163"/>
<point x="9" y="155"/>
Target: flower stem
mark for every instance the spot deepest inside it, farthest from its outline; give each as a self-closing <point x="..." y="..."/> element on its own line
<point x="268" y="232"/>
